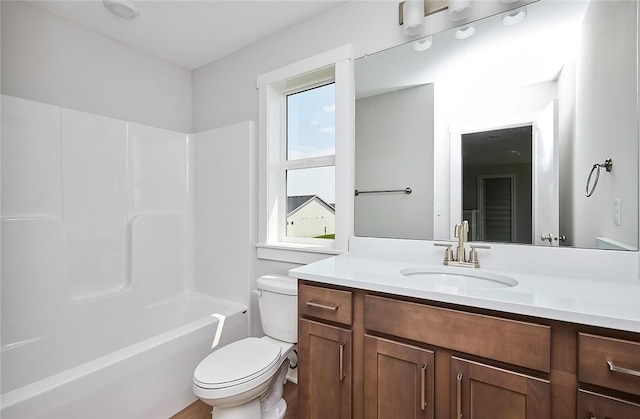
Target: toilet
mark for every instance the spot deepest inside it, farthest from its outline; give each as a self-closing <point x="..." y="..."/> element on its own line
<point x="244" y="379"/>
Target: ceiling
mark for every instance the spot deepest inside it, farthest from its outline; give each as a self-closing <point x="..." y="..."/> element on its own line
<point x="497" y="147"/>
<point x="191" y="33"/>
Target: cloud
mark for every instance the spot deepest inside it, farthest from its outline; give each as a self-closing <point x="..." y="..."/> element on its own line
<point x="329" y="109"/>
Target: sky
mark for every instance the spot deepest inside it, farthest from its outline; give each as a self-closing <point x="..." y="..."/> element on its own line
<point x="311" y="133"/>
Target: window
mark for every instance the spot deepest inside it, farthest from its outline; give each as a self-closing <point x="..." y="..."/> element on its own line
<point x="309" y="167"/>
<point x="305" y="142"/>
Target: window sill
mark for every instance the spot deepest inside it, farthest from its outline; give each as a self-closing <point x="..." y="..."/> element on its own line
<point x="295" y="253"/>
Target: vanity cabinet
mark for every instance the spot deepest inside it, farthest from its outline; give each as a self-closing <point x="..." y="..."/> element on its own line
<point x="477" y="389"/>
<point x="324" y="353"/>
<point x="372" y="355"/>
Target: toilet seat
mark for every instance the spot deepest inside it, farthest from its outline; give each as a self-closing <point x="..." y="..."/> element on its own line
<point x="237" y="363"/>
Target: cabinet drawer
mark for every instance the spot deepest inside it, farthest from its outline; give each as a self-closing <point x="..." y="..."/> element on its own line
<point x="596" y="406"/>
<point x="608" y="362"/>
<point x="325" y="303"/>
<point x="524" y="344"/>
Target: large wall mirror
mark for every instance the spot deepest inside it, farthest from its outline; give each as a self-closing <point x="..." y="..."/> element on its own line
<point x="506" y="122"/>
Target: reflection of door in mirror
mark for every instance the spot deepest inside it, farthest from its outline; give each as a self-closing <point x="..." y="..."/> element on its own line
<point x="497" y="184"/>
<point x="492" y="147"/>
<point x="497" y="208"/>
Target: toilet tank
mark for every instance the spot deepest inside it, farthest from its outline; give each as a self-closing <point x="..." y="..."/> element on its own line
<point x="278" y="304"/>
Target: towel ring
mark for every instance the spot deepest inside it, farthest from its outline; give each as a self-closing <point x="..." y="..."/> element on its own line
<point x="608" y="165"/>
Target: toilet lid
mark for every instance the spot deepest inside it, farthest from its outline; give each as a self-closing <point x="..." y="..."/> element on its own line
<point x="236" y="363"/>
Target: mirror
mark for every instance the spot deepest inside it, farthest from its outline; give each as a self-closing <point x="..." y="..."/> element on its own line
<point x="444" y="118"/>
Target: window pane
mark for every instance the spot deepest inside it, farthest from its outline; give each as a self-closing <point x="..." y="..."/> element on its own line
<point x="311" y="123"/>
<point x="311" y="202"/>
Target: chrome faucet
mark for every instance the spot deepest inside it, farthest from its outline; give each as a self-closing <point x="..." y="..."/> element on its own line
<point x="461" y="232"/>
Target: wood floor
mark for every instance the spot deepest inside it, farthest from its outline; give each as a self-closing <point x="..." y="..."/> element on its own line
<point x="199" y="410"/>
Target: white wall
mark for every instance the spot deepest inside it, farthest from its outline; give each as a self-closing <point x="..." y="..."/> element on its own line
<point x="603" y="95"/>
<point x="394" y="150"/>
<point x="567" y="128"/>
<point x="51" y="60"/>
<point x="224" y="92"/>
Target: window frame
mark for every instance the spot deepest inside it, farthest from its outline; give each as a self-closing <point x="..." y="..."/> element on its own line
<point x="332" y="66"/>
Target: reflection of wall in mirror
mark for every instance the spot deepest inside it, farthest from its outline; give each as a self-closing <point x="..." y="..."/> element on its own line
<point x="606" y="77"/>
<point x="394" y="150"/>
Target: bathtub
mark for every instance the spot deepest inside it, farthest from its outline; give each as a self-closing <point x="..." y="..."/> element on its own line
<point x="126" y="356"/>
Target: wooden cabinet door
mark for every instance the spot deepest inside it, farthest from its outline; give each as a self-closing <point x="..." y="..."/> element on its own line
<point x="324" y="371"/>
<point x="598" y="406"/>
<point x="483" y="391"/>
<point x="398" y="380"/>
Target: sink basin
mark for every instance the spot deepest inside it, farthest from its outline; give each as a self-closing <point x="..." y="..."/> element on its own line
<point x="448" y="276"/>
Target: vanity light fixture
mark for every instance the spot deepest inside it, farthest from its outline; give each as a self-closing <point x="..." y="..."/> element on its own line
<point x="423" y="44"/>
<point x="122" y="8"/>
<point x="514" y="17"/>
<point x="411" y="14"/>
<point x="465" y="32"/>
<point x="459" y="9"/>
<point x="413" y="17"/>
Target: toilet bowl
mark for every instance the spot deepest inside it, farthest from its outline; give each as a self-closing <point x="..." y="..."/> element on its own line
<point x="244" y="380"/>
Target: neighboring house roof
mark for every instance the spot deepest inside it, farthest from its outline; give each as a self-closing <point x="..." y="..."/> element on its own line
<point x="295" y="202"/>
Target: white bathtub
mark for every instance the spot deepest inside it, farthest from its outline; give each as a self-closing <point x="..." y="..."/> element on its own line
<point x="125" y="356"/>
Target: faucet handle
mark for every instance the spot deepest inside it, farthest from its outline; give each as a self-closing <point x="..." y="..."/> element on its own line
<point x="448" y="253"/>
<point x="473" y="254"/>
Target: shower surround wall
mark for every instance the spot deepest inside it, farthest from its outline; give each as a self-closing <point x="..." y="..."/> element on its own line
<point x="109" y="197"/>
<point x="102" y="289"/>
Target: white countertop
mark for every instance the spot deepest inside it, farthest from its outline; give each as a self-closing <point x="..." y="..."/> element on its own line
<point x="595" y="302"/>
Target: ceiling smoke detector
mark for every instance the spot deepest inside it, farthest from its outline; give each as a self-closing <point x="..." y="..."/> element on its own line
<point x="122" y="8"/>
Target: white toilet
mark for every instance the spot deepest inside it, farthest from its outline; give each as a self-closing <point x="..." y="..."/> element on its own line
<point x="244" y="380"/>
